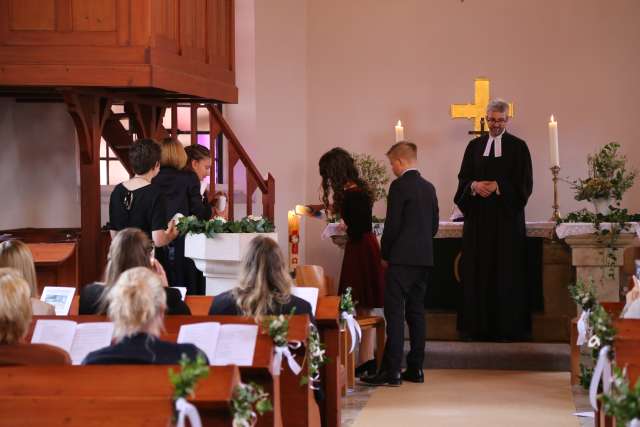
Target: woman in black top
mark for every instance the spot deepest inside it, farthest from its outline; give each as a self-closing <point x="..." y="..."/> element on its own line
<point x="136" y="308"/>
<point x="140" y="204"/>
<point x="181" y="189"/>
<point x="264" y="285"/>
<point x="130" y="248"/>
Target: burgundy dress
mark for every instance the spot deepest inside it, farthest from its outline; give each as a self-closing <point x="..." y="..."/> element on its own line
<point x="361" y="266"/>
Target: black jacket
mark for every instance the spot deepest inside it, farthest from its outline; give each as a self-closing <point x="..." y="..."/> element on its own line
<point x="412" y="221"/>
<point x="226" y="304"/>
<point x="142" y="349"/>
<point x="182" y="193"/>
<point x="91" y="294"/>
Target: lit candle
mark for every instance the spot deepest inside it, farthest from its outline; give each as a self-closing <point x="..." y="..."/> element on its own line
<point x="554" y="154"/>
<point x="294" y="239"/>
<point x="399" y="132"/>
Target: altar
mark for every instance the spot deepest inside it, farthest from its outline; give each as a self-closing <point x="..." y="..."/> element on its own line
<point x="549" y="272"/>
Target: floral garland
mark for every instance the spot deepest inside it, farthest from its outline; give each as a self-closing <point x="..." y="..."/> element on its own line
<point x="623" y="401"/>
<point x="583" y="295"/>
<point x="347" y="304"/>
<point x="191" y="371"/>
<point x="316" y="359"/>
<point x="246" y="401"/>
<point x="278" y="328"/>
<point x="218" y="225"/>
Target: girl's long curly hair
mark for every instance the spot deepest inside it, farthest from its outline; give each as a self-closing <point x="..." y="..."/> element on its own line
<point x="337" y="168"/>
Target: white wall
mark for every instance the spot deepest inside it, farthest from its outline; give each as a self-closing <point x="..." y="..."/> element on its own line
<point x="39" y="182"/>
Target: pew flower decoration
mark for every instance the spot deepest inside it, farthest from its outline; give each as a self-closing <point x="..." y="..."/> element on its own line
<point x="249" y="401"/>
<point x="347" y="317"/>
<point x="218" y="225"/>
<point x="623" y="401"/>
<point x="602" y="331"/>
<point x="316" y="359"/>
<point x="278" y="329"/>
<point x="583" y="294"/>
<point x="184" y="383"/>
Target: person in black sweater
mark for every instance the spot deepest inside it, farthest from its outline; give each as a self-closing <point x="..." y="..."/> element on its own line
<point x="137" y="304"/>
<point x="264" y="286"/>
<point x="181" y="189"/>
<point x="139" y="203"/>
<point x="130" y="248"/>
<point x="407" y="247"/>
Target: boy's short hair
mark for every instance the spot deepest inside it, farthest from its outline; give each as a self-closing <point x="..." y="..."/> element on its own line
<point x="403" y="150"/>
<point x="143" y="155"/>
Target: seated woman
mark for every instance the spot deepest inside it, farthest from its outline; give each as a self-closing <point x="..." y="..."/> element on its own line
<point x="130" y="248"/>
<point x="136" y="307"/>
<point x="15" y="254"/>
<point x="15" y="318"/>
<point x="264" y="286"/>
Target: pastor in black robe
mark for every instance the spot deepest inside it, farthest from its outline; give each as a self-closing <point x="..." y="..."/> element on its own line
<point x="495" y="303"/>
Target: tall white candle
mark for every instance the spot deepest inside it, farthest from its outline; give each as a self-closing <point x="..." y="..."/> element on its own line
<point x="399" y="132"/>
<point x="554" y="154"/>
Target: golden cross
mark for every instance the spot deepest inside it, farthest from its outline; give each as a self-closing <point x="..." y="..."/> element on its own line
<point x="478" y="109"/>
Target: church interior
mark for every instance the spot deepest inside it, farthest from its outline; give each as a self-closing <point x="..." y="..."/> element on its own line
<point x="266" y="89"/>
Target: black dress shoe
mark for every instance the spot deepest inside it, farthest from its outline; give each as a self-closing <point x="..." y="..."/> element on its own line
<point x="413" y="375"/>
<point x="383" y="378"/>
<point x="366" y="369"/>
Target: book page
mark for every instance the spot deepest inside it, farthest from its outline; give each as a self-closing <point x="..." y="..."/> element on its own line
<point x="58" y="296"/>
<point x="236" y="345"/>
<point x="203" y="335"/>
<point x="90" y="337"/>
<point x="182" y="289"/>
<point x="308" y="294"/>
<point x="59" y="333"/>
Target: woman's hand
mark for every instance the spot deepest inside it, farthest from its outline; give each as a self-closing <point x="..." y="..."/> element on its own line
<point x="156" y="267"/>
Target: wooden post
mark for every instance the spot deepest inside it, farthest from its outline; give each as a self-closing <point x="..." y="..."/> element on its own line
<point x="89" y="113"/>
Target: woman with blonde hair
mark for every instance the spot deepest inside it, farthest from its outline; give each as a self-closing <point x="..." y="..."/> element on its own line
<point x="137" y="302"/>
<point x="15" y="318"/>
<point x="264" y="285"/>
<point x="130" y="248"/>
<point x="181" y="188"/>
<point x="16" y="254"/>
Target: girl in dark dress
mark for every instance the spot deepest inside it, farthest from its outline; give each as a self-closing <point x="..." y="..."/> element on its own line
<point x="140" y="204"/>
<point x="361" y="266"/>
<point x="181" y="189"/>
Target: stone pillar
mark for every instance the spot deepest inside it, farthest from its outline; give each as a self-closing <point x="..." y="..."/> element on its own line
<point x="590" y="257"/>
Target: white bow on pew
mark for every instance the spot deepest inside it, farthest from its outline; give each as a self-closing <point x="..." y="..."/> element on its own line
<point x="634" y="422"/>
<point x="583" y="326"/>
<point x="187" y="410"/>
<point x="601" y="373"/>
<point x="285" y="351"/>
<point x="354" y="329"/>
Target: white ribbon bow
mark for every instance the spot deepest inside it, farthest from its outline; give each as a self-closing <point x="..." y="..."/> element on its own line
<point x="634" y="422"/>
<point x="354" y="329"/>
<point x="284" y="351"/>
<point x="583" y="326"/>
<point x="187" y="410"/>
<point x="601" y="372"/>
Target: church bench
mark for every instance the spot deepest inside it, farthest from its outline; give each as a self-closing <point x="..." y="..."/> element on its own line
<point x="107" y="395"/>
<point x="288" y="395"/>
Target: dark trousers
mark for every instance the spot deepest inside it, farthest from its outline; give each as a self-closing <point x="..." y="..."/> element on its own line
<point x="404" y="300"/>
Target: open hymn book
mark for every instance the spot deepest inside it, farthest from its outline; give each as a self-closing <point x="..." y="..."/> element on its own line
<point x="77" y="339"/>
<point x="230" y="344"/>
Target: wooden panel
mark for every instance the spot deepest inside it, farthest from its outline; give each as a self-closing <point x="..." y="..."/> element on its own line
<point x="220" y="36"/>
<point x="94" y="15"/>
<point x="32" y="15"/>
<point x="192" y="29"/>
<point x="89" y="55"/>
<point x="140" y="22"/>
<point x="80" y="75"/>
<point x="165" y="21"/>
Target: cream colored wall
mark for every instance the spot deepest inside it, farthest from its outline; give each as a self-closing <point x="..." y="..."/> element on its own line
<point x="372" y="62"/>
<point x="39" y="184"/>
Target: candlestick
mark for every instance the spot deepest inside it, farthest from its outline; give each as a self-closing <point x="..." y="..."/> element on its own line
<point x="399" y="132"/>
<point x="555" y="217"/>
<point x="554" y="154"/>
<point x="294" y="240"/>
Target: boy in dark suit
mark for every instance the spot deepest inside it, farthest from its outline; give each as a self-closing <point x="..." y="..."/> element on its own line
<point x="407" y="248"/>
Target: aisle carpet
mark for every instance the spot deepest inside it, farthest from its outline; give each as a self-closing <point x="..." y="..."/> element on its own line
<point x="457" y="398"/>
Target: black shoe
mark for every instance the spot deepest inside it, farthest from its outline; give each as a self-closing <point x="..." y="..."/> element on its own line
<point x="413" y="375"/>
<point x="366" y="369"/>
<point x="383" y="378"/>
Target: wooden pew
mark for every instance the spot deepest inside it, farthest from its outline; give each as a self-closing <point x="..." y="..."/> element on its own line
<point x="107" y="395"/>
<point x="328" y="321"/>
<point x="288" y="395"/>
<point x="56" y="264"/>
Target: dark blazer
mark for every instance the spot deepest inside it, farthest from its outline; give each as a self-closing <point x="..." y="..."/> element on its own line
<point x="226" y="304"/>
<point x="142" y="349"/>
<point x="182" y="193"/>
<point x="91" y="294"/>
<point x="412" y="221"/>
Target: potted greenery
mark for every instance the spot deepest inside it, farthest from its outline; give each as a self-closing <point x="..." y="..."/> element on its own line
<point x="608" y="179"/>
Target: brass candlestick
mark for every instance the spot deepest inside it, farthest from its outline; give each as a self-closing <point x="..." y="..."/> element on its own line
<point x="555" y="217"/>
